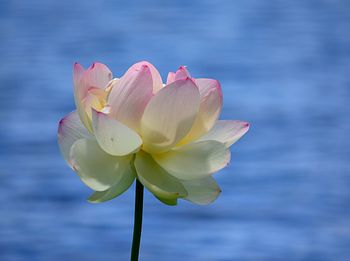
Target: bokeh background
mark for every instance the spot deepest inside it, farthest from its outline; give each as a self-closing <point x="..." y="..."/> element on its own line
<point x="284" y="66"/>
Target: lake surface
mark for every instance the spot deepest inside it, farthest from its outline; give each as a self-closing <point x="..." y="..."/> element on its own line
<point x="284" y="66"/>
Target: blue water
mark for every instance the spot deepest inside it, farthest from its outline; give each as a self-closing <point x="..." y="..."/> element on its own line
<point x="284" y="66"/>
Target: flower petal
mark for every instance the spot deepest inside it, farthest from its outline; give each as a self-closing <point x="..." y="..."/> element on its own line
<point x="129" y="99"/>
<point x="70" y="129"/>
<point x="156" y="179"/>
<point x="97" y="76"/>
<point x="169" y="202"/>
<point x="126" y="180"/>
<point x="194" y="160"/>
<point x="169" y="115"/>
<point x="97" y="169"/>
<point x="114" y="137"/>
<point x="209" y="110"/>
<point x="156" y="78"/>
<point x="226" y="131"/>
<point x="112" y="84"/>
<point x="94" y="99"/>
<point x="182" y="73"/>
<point x="170" y="78"/>
<point x="202" y="191"/>
<point x="78" y="70"/>
<point x="206" y="86"/>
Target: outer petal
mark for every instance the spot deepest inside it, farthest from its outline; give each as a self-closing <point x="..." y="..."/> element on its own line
<point x="97" y="76"/>
<point x="127" y="178"/>
<point x="169" y="115"/>
<point x="114" y="137"/>
<point x="202" y="191"/>
<point x="170" y="202"/>
<point x="78" y="71"/>
<point x="227" y="132"/>
<point x="70" y="129"/>
<point x="194" y="160"/>
<point x="129" y="99"/>
<point x="209" y="110"/>
<point x="97" y="169"/>
<point x="156" y="179"/>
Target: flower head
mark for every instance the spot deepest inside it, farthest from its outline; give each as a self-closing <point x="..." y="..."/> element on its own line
<point x="168" y="136"/>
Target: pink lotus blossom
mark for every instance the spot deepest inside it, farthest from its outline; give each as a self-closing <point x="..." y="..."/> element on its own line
<point x="167" y="136"/>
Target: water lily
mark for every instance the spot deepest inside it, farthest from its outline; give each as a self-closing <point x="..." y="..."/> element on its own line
<point x="167" y="136"/>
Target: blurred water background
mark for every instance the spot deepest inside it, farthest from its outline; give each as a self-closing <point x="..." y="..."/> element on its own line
<point x="283" y="65"/>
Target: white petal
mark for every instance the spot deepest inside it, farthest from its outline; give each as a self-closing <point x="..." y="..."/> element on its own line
<point x="202" y="191"/>
<point x="70" y="129"/>
<point x="227" y="132"/>
<point x="209" y="109"/>
<point x="156" y="179"/>
<point x="169" y="115"/>
<point x="114" y="137"/>
<point x="97" y="169"/>
<point x="120" y="187"/>
<point x="194" y="160"/>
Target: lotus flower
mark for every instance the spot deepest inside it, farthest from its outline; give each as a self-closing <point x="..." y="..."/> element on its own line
<point x="167" y="136"/>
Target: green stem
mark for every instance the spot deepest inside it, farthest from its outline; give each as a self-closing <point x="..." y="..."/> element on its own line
<point x="137" y="222"/>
